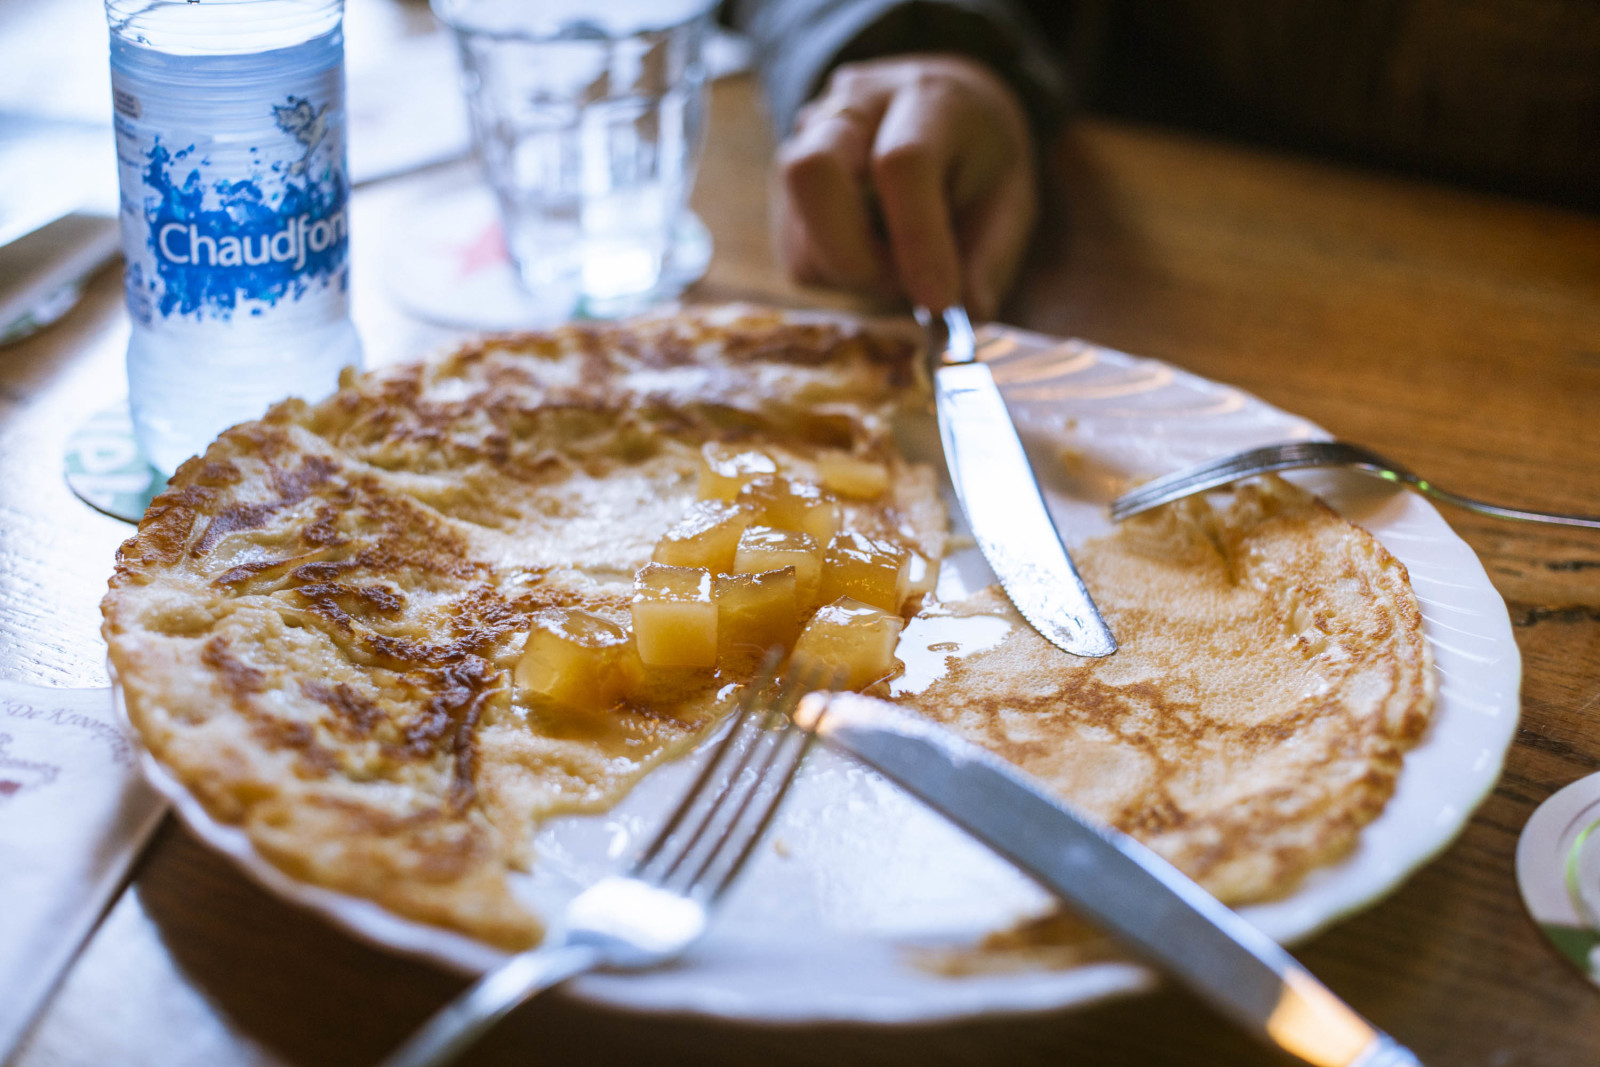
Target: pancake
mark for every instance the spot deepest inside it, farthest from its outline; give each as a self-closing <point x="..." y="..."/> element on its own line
<point x="316" y="625"/>
<point x="321" y="628"/>
<point x="1271" y="673"/>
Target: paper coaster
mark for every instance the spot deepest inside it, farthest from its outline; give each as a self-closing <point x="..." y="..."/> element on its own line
<point x="446" y="261"/>
<point x="1558" y="870"/>
<point x="105" y="468"/>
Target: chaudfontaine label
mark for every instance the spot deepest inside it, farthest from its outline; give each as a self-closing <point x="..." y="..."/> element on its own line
<point x="237" y="212"/>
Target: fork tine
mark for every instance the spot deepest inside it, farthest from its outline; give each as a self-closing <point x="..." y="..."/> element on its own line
<point x="784" y="753"/>
<point x="734" y="790"/>
<point x="727" y="828"/>
<point x="793" y="744"/>
<point x="1218" y="472"/>
<point x="732" y="842"/>
<point x="736" y="739"/>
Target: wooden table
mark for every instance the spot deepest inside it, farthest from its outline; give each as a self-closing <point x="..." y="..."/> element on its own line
<point x="1459" y="333"/>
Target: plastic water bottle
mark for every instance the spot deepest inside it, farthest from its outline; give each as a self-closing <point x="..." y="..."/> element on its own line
<point x="230" y="145"/>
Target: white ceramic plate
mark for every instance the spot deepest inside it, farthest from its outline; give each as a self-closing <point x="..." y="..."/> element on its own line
<point x="855" y="877"/>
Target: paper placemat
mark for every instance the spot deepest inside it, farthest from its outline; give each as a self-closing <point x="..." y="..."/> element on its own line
<point x="74" y="814"/>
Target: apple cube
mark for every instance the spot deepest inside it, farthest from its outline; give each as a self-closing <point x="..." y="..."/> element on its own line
<point x="707" y="536"/>
<point x="755" y="612"/>
<point x="847" y="645"/>
<point x="725" y="469"/>
<point x="674" y="616"/>
<point x="852" y="476"/>
<point x="572" y="659"/>
<point x="786" y="505"/>
<point x="762" y="548"/>
<point x="922" y="576"/>
<point x="874" y="572"/>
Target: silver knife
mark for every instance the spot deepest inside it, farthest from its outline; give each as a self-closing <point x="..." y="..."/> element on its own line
<point x="1002" y="502"/>
<point x="1109" y="879"/>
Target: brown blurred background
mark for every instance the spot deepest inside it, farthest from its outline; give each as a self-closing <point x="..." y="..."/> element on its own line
<point x="1496" y="94"/>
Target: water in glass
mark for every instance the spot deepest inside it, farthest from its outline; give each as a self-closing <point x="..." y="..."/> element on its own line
<point x="589" y="122"/>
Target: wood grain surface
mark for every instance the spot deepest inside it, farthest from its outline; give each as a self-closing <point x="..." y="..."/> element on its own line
<point x="1459" y="334"/>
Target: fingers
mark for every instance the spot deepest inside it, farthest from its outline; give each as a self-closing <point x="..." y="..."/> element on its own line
<point x="943" y="147"/>
<point x="827" y="225"/>
<point x="994" y="233"/>
<point x="912" y="157"/>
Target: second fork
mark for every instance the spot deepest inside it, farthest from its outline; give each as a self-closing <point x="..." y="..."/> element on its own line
<point x="1298" y="455"/>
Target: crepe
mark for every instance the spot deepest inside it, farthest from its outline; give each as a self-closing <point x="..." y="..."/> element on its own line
<point x="316" y="628"/>
<point x="1271" y="673"/>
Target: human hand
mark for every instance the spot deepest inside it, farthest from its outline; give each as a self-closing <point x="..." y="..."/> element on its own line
<point x="940" y="146"/>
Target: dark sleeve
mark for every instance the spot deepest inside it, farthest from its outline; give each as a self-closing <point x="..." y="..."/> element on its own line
<point x="798" y="42"/>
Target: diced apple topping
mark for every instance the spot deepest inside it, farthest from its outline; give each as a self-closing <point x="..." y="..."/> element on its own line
<point x="708" y="536"/>
<point x="724" y="470"/>
<point x="572" y="659"/>
<point x="756" y="612"/>
<point x="874" y="572"/>
<point x="674" y="616"/>
<point x="786" y="505"/>
<point x="762" y="548"/>
<point x="847" y="644"/>
<point x="922" y="576"/>
<point x="852" y="476"/>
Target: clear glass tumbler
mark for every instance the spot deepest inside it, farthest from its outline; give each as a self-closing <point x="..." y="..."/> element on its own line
<point x="589" y="117"/>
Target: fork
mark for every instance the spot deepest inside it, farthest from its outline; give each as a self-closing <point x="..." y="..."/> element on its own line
<point x="653" y="913"/>
<point x="1293" y="455"/>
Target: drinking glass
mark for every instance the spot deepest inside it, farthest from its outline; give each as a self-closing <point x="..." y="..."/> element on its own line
<point x="589" y="117"/>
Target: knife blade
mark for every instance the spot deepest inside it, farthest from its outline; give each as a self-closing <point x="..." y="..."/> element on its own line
<point x="1003" y="505"/>
<point x="1110" y="879"/>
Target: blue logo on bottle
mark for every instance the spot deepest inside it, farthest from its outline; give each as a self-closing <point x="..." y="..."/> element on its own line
<point x="262" y="239"/>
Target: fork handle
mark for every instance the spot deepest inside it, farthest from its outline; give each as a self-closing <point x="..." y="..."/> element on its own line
<point x="461" y="1022"/>
<point x="1466" y="503"/>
